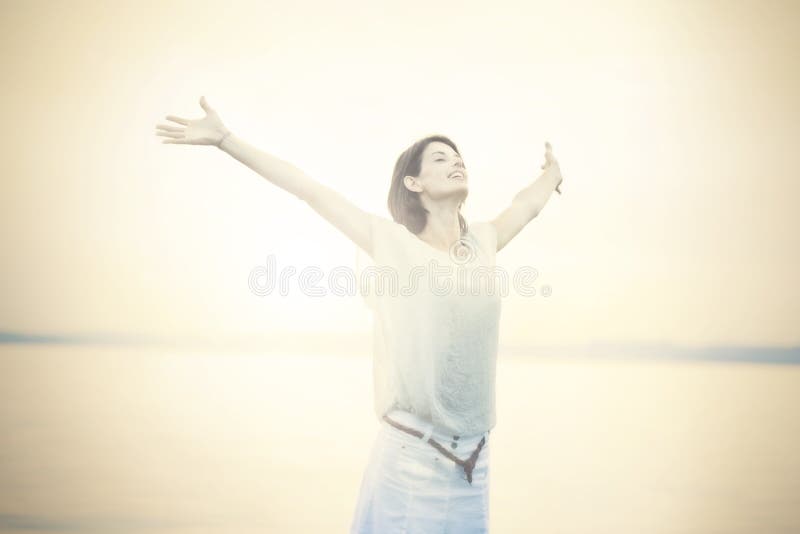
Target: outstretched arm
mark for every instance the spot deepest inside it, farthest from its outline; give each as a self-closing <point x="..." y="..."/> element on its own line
<point x="529" y="202"/>
<point x="340" y="212"/>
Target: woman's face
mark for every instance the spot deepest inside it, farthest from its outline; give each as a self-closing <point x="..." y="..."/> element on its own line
<point x="442" y="173"/>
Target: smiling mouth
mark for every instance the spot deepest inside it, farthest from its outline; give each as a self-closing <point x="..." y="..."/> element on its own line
<point x="456" y="176"/>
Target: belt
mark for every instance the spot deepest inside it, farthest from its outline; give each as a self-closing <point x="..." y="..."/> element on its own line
<point x="468" y="465"/>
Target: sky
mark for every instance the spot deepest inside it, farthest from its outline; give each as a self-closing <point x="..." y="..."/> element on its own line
<point x="675" y="125"/>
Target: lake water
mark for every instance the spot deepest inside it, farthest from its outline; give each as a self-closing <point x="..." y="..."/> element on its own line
<point x="103" y="439"/>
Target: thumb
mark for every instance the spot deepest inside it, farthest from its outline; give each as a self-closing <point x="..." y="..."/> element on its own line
<point x="204" y="105"/>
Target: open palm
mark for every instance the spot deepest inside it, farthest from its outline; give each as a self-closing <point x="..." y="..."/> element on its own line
<point x="206" y="131"/>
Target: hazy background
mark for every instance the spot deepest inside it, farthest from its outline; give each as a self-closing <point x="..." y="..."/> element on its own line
<point x="672" y="253"/>
<point x="675" y="123"/>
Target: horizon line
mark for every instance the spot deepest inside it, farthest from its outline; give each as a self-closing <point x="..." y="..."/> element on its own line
<point x="359" y="343"/>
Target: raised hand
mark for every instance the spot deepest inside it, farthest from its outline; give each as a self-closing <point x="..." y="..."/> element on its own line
<point x="551" y="164"/>
<point x="206" y="131"/>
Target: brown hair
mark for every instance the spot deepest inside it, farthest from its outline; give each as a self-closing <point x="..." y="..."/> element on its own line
<point x="405" y="205"/>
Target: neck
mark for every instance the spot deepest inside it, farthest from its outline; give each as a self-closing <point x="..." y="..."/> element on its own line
<point x="442" y="228"/>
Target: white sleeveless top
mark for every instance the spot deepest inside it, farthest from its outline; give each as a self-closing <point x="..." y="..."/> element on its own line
<point x="435" y="331"/>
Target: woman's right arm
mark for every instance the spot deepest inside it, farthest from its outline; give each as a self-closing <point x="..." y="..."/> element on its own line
<point x="351" y="220"/>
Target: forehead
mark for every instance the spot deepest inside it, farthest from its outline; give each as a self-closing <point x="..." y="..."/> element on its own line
<point x="438" y="146"/>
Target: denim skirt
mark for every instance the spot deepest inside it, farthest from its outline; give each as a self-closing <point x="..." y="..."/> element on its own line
<point x="410" y="487"/>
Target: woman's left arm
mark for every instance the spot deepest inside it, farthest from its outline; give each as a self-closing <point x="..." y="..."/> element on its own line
<point x="529" y="202"/>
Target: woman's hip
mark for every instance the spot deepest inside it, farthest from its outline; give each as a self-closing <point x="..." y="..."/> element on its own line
<point x="425" y="451"/>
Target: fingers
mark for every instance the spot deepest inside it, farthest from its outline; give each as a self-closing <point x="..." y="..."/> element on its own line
<point x="548" y="155"/>
<point x="169" y="128"/>
<point x="548" y="152"/>
<point x="550" y="159"/>
<point x="204" y="105"/>
<point x="174" y="135"/>
<point x="179" y="120"/>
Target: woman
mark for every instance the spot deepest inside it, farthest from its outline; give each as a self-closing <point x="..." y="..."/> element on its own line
<point x="435" y="345"/>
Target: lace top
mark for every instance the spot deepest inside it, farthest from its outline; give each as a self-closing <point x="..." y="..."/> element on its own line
<point x="435" y="331"/>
